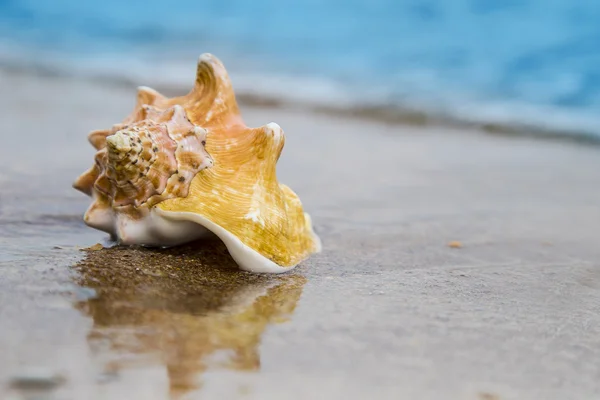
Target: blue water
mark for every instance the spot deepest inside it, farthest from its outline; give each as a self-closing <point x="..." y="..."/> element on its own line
<point x="520" y="61"/>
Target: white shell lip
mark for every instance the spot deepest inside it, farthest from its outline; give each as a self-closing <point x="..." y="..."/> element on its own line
<point x="160" y="228"/>
<point x="156" y="231"/>
<point x="245" y="257"/>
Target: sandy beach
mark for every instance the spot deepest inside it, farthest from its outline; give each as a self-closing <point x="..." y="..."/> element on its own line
<point x="388" y="310"/>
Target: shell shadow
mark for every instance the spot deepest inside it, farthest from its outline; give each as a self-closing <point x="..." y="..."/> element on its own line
<point x="180" y="308"/>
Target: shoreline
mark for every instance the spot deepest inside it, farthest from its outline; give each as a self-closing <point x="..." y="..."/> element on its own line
<point x="385" y="114"/>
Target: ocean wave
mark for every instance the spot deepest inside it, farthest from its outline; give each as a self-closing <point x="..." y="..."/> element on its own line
<point x="447" y="107"/>
<point x="504" y="65"/>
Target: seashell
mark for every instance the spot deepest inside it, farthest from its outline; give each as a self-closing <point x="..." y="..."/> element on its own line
<point x="177" y="169"/>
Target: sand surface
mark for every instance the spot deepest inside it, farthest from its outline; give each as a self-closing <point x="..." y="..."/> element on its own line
<point x="389" y="309"/>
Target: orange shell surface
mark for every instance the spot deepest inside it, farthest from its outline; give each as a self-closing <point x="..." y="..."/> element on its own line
<point x="237" y="188"/>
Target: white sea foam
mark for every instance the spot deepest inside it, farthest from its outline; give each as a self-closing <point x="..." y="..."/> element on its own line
<point x="420" y="92"/>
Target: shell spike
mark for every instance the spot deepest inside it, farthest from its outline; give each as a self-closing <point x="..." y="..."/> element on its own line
<point x="100" y="215"/>
<point x="267" y="142"/>
<point x="176" y="114"/>
<point x="85" y="182"/>
<point x="212" y="99"/>
<point x="146" y="95"/>
<point x="275" y="136"/>
<point x="98" y="138"/>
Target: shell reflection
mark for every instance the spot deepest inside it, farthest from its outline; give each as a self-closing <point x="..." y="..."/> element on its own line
<point x="187" y="309"/>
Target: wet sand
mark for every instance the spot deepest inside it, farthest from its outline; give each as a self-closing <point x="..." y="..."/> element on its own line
<point x="391" y="309"/>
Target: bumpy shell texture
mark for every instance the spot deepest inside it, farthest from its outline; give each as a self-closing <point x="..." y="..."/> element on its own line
<point x="178" y="168"/>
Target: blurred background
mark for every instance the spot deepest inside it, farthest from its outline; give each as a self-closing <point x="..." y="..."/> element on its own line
<point x="528" y="63"/>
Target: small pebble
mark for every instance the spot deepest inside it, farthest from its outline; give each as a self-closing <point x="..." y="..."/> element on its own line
<point x="455" y="244"/>
<point x="488" y="396"/>
<point x="37" y="380"/>
<point x="95" y="247"/>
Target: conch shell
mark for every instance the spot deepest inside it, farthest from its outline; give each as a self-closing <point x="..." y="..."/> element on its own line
<point x="179" y="168"/>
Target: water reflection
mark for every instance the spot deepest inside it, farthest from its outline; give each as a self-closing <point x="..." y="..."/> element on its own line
<point x="188" y="309"/>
